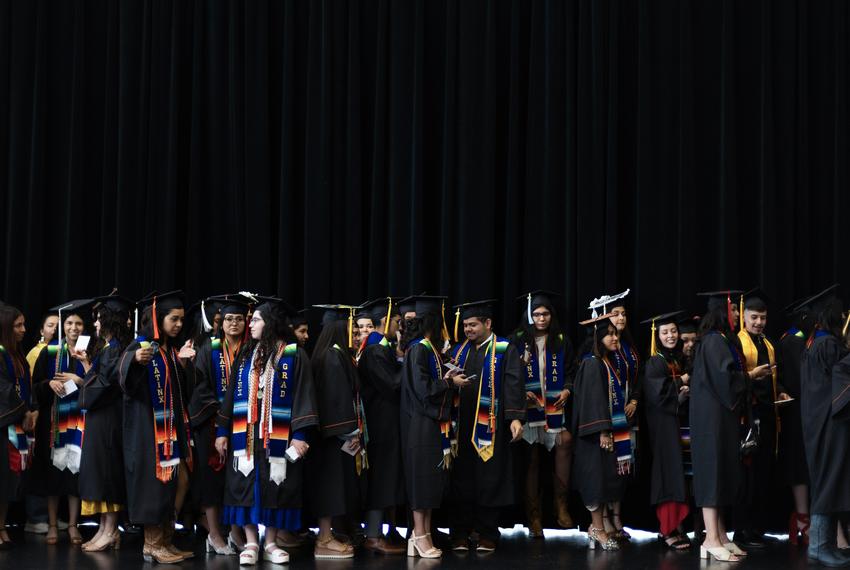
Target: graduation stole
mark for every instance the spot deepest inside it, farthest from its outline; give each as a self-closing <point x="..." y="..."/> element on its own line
<point x="627" y="366"/>
<point x="815" y="335"/>
<point x="162" y="387"/>
<point x="448" y="439"/>
<point x="17" y="438"/>
<point x="275" y="417"/>
<point x="487" y="408"/>
<point x="67" y="422"/>
<point x="551" y="418"/>
<point x="793" y="331"/>
<point x="620" y="429"/>
<point x="751" y="357"/>
<point x="376" y="338"/>
<point x="222" y="363"/>
<point x="361" y="460"/>
<point x="458" y="355"/>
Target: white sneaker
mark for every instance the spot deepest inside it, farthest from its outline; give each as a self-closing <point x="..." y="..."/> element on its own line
<point x="36" y="527"/>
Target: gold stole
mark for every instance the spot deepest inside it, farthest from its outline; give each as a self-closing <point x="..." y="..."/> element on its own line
<point x="751" y="355"/>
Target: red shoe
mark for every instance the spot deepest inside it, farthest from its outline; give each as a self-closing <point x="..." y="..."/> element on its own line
<point x="798" y="534"/>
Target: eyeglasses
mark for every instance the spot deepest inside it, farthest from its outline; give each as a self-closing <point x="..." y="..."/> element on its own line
<point x="235" y="319"/>
<point x="541" y="315"/>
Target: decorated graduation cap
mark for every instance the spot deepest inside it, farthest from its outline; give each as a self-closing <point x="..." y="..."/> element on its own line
<point x="606" y="301"/>
<point x="163" y="304"/>
<point x="535" y="299"/>
<point x="658" y="321"/>
<point x="718" y="299"/>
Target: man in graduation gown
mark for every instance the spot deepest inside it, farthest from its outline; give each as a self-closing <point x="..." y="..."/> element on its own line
<point x="759" y="468"/>
<point x="380" y="382"/>
<point x="825" y="380"/>
<point x="491" y="411"/>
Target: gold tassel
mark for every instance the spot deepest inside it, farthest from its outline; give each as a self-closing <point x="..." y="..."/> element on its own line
<point x="457" y="321"/>
<point x="445" y="329"/>
<point x="653" y="348"/>
<point x="846" y="324"/>
<point x="351" y="328"/>
<point x="741" y="314"/>
<point x="389" y="315"/>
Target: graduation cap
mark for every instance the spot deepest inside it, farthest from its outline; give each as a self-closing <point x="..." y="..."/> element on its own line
<point x="717" y="299"/>
<point x="77" y="307"/>
<point x="407" y="305"/>
<point x="115" y="303"/>
<point x="794" y="306"/>
<point x="232" y="304"/>
<point x="381" y="307"/>
<point x="336" y="312"/>
<point x="472" y="310"/>
<point x="428" y="305"/>
<point x="164" y="303"/>
<point x="605" y="301"/>
<point x="538" y="298"/>
<point x="657" y="321"/>
<point x="274" y="303"/>
<point x="300" y="318"/>
<point x="688" y="325"/>
<point x="817" y="302"/>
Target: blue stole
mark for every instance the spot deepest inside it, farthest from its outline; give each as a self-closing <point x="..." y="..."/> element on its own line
<point x="23" y="387"/>
<point x="620" y="428"/>
<point x="545" y="414"/>
<point x="627" y="362"/>
<point x="448" y="435"/>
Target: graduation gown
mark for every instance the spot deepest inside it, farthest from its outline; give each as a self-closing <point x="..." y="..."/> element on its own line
<point x="661" y="401"/>
<point x="380" y="383"/>
<point x="488" y="483"/>
<point x="334" y="488"/>
<point x="12" y="411"/>
<point x="793" y="469"/>
<point x="42" y="478"/>
<point x="825" y="379"/>
<point x="208" y="475"/>
<point x="426" y="401"/>
<point x="102" y="462"/>
<point x="594" y="469"/>
<point x="149" y="500"/>
<point x="718" y="389"/>
<point x="239" y="489"/>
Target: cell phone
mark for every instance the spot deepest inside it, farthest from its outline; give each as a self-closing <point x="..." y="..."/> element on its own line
<point x="473" y="377"/>
<point x="82" y="343"/>
<point x="154" y="346"/>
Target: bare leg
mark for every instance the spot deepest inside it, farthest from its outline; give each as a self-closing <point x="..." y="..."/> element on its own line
<point x="564" y="457"/>
<point x="421" y="527"/>
<point x="801" y="498"/>
<point x="73" y="517"/>
<point x="597" y="521"/>
<point x="52" y="518"/>
<point x="213" y="515"/>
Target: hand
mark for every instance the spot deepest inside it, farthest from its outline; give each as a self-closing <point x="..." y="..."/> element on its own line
<point x="451" y="373"/>
<point x="562" y="399"/>
<point x="783" y="396"/>
<point x="516" y="430"/>
<point x="83" y="357"/>
<point x="29" y="421"/>
<point x="65" y="376"/>
<point x="685" y="378"/>
<point x="760" y="372"/>
<point x="221" y="447"/>
<point x="606" y="441"/>
<point x="187" y="351"/>
<point x="300" y="446"/>
<point x="630" y="409"/>
<point x="355" y="444"/>
<point x="144" y="356"/>
<point x="58" y="387"/>
<point x="460" y="380"/>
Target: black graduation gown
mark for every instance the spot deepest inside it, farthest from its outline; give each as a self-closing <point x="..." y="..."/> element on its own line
<point x="594" y="469"/>
<point x="42" y="478"/>
<point x="425" y="403"/>
<point x="825" y="379"/>
<point x="380" y="383"/>
<point x="488" y="483"/>
<point x="661" y="401"/>
<point x="792" y="452"/>
<point x="207" y="482"/>
<point x="149" y="500"/>
<point x="12" y="410"/>
<point x="333" y="486"/>
<point x="102" y="462"/>
<point x="239" y="489"/>
<point x="718" y="390"/>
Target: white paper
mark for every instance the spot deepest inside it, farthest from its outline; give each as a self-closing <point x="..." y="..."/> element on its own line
<point x="82" y="343"/>
<point x="70" y="388"/>
<point x="346" y="447"/>
<point x="292" y="454"/>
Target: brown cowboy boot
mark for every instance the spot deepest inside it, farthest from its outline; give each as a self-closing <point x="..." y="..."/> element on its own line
<point x="560" y="493"/>
<point x="534" y="515"/>
<point x="154" y="549"/>
<point x="168" y="541"/>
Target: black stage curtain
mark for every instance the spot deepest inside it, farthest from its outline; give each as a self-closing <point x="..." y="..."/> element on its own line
<point x="335" y="151"/>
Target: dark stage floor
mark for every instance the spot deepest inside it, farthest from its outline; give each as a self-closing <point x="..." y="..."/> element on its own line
<point x="564" y="549"/>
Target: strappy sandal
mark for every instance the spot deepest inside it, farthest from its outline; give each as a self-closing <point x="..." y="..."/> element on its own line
<point x="676" y="542"/>
<point x="332" y="549"/>
<point x="276" y="555"/>
<point x="248" y="557"/>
